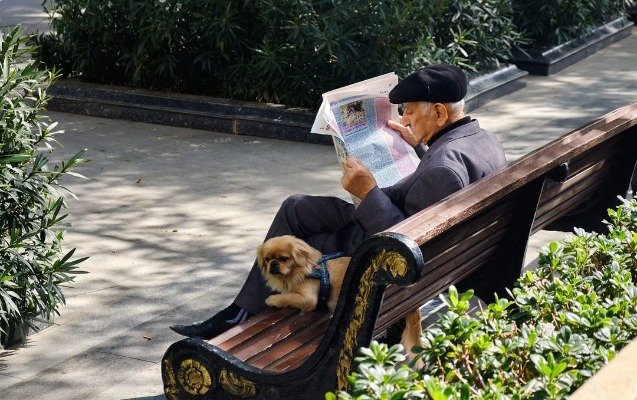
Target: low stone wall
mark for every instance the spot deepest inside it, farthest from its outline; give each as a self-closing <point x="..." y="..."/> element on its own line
<point x="229" y="116"/>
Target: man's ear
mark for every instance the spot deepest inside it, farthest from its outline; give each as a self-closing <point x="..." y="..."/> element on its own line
<point x="442" y="114"/>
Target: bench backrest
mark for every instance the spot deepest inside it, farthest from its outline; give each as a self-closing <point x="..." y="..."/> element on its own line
<point x="476" y="238"/>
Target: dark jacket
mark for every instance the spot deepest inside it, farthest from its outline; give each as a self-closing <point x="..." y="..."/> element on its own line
<point x="458" y="158"/>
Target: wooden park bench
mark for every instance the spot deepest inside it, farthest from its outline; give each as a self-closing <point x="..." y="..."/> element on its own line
<point x="475" y="238"/>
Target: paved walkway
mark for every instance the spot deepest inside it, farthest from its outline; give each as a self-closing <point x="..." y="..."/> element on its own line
<point x="29" y="13"/>
<point x="170" y="218"/>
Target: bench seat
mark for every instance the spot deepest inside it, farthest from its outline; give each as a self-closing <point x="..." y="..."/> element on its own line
<point x="275" y="340"/>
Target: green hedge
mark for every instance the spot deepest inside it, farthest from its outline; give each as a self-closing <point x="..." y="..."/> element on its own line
<point x="33" y="267"/>
<point x="547" y="23"/>
<point x="284" y="51"/>
<point x="567" y="319"/>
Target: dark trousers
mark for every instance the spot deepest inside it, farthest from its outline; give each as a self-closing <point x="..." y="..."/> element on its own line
<point x="323" y="222"/>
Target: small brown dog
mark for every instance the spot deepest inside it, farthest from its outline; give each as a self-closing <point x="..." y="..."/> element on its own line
<point x="286" y="262"/>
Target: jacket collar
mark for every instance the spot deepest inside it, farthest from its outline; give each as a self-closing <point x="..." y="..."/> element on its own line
<point x="454" y="125"/>
<point x="463" y="130"/>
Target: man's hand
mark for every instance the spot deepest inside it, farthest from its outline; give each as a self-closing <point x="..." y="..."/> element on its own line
<point x="405" y="132"/>
<point x="357" y="178"/>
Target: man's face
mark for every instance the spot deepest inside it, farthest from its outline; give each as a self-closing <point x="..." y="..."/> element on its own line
<point x="421" y="118"/>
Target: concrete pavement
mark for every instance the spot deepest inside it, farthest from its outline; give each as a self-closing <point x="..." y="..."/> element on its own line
<point x="29" y="13"/>
<point x="171" y="218"/>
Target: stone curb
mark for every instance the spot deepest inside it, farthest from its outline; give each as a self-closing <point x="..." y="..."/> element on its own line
<point x="548" y="62"/>
<point x="229" y="116"/>
<point x="187" y="111"/>
<point x="491" y="86"/>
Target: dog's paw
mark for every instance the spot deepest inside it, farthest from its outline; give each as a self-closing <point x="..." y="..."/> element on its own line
<point x="274" y="301"/>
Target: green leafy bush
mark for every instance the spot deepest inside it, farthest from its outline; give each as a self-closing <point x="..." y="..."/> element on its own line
<point x="548" y="23"/>
<point x="567" y="319"/>
<point x="33" y="267"/>
<point x="476" y="35"/>
<point x="285" y="51"/>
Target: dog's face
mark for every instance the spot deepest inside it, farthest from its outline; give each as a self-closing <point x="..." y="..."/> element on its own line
<point x="285" y="261"/>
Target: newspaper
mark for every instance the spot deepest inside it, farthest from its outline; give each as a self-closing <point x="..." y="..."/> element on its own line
<point x="356" y="117"/>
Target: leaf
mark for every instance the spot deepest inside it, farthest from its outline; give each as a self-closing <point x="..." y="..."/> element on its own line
<point x="75" y="174"/>
<point x="15" y="158"/>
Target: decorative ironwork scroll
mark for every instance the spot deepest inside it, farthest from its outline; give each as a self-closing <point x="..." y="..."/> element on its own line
<point x="396" y="265"/>
<point x="236" y="385"/>
<point x="194" y="377"/>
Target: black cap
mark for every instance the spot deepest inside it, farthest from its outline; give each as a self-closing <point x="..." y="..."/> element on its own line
<point x="441" y="83"/>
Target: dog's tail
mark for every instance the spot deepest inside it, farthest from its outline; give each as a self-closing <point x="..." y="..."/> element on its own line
<point x="412" y="334"/>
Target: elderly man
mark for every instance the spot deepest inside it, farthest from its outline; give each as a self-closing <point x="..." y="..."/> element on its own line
<point x="458" y="152"/>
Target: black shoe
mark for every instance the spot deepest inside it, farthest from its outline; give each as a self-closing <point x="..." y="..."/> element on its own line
<point x="215" y="325"/>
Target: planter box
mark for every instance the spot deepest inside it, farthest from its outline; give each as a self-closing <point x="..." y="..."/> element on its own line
<point x="188" y="111"/>
<point x="549" y="61"/>
<point x="229" y="116"/>
<point x="496" y="84"/>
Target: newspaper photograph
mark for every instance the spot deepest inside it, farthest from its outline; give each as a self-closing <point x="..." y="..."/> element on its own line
<point x="356" y="117"/>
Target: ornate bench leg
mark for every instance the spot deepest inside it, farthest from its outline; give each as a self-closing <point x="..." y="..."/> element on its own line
<point x="187" y="377"/>
<point x="190" y="374"/>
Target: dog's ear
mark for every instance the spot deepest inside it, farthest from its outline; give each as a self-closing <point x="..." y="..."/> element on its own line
<point x="304" y="254"/>
<point x="260" y="257"/>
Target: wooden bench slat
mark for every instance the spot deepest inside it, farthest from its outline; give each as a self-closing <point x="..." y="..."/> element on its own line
<point x="412" y="296"/>
<point x="565" y="204"/>
<point x="471" y="240"/>
<point x="590" y="169"/>
<point x="286" y="349"/>
<point x="551" y="188"/>
<point x="293" y="360"/>
<point x="473" y="246"/>
<point x="553" y="197"/>
<point x="455" y="236"/>
<point x="250" y="327"/>
<point x="606" y="151"/>
<point x="478" y="245"/>
<point x="418" y="293"/>
<point x="552" y="192"/>
<point x="265" y="339"/>
<point x="483" y="246"/>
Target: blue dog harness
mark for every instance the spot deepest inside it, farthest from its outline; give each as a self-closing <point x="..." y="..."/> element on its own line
<point x="321" y="273"/>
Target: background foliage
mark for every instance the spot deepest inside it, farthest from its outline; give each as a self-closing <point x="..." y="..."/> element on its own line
<point x="567" y="319"/>
<point x="285" y="51"/>
<point x="547" y="23"/>
<point x="33" y="267"/>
